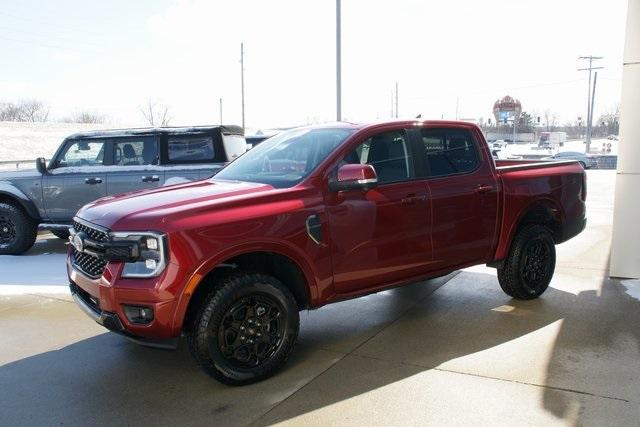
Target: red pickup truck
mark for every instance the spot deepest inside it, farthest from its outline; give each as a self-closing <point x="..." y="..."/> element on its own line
<point x="309" y="217"/>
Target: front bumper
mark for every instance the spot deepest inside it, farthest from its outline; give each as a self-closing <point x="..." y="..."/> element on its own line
<point x="102" y="298"/>
<point x="112" y="322"/>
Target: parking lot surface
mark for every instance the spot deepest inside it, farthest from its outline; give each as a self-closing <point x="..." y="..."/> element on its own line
<point x="452" y="350"/>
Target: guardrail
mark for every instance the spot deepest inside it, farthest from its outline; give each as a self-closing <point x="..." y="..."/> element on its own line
<point x="17" y="163"/>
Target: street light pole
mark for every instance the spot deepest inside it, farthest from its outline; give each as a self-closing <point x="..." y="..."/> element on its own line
<point x="242" y="79"/>
<point x="338" y="62"/>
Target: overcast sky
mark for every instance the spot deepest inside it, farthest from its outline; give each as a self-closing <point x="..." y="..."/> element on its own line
<point x="111" y="56"/>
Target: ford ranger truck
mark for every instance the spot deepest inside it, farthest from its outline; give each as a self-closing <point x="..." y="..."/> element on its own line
<point x="309" y="217"/>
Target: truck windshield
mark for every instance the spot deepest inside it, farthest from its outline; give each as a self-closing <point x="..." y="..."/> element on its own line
<point x="287" y="158"/>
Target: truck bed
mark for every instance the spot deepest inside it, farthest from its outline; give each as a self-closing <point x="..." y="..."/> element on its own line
<point x="559" y="187"/>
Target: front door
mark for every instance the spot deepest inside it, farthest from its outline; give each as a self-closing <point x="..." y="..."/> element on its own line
<point x="380" y="235"/>
<point x="464" y="196"/>
<point x="76" y="177"/>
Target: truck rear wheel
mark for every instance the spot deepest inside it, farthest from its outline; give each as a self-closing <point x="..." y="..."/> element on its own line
<point x="17" y="230"/>
<point x="245" y="329"/>
<point x="527" y="271"/>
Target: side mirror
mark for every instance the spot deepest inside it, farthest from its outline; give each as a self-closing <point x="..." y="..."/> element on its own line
<point x="41" y="165"/>
<point x="355" y="176"/>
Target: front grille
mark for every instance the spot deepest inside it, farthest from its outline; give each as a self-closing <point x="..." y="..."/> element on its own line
<point x="93" y="233"/>
<point x="88" y="264"/>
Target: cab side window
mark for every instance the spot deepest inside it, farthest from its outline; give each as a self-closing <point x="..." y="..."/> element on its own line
<point x="390" y="155"/>
<point x="449" y="152"/>
<point x="82" y="153"/>
<point x="135" y="152"/>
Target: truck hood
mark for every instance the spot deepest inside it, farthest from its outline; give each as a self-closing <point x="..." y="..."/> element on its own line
<point x="11" y="175"/>
<point x="155" y="209"/>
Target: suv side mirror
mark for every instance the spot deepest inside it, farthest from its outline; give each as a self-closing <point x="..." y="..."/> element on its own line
<point x="41" y="165"/>
<point x="355" y="176"/>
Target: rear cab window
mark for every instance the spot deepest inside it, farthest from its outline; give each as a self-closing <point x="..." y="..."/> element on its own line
<point x="189" y="149"/>
<point x="449" y="152"/>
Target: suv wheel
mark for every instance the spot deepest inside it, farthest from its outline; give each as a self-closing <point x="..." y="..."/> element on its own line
<point x="529" y="268"/>
<point x="245" y="329"/>
<point x="17" y="230"/>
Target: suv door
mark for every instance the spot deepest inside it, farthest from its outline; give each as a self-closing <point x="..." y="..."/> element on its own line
<point x="135" y="165"/>
<point x="463" y="192"/>
<point x="76" y="177"/>
<point x="191" y="157"/>
<point x="380" y="235"/>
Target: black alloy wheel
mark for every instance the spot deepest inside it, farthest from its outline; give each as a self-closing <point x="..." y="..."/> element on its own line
<point x="529" y="266"/>
<point x="535" y="265"/>
<point x="251" y="331"/>
<point x="245" y="329"/>
<point x="7" y="230"/>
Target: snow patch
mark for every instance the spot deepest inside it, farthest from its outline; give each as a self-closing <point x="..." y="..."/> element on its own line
<point x="633" y="288"/>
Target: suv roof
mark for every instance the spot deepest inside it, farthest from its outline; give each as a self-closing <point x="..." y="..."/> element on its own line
<point x="172" y="130"/>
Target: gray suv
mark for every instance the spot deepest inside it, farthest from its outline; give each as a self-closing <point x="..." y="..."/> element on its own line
<point x="91" y="165"/>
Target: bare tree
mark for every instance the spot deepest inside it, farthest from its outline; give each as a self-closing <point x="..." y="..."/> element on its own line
<point x="86" y="117"/>
<point x="550" y="119"/>
<point x="32" y="110"/>
<point x="156" y="114"/>
<point x="9" y="112"/>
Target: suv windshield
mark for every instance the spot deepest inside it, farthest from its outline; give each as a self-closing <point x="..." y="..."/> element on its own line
<point x="285" y="159"/>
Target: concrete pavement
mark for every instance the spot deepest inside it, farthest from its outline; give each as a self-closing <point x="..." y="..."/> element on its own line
<point x="454" y="350"/>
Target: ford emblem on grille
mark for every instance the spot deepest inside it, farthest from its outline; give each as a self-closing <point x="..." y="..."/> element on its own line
<point x="77" y="240"/>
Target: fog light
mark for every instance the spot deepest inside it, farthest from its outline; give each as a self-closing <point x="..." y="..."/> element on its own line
<point x="152" y="244"/>
<point x="140" y="315"/>
<point x="150" y="264"/>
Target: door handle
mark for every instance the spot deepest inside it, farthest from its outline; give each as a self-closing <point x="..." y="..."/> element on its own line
<point x="483" y="188"/>
<point x="412" y="199"/>
<point x="93" y="181"/>
<point x="151" y="178"/>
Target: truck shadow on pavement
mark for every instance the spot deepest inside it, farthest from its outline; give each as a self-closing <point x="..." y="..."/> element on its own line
<point x="350" y="349"/>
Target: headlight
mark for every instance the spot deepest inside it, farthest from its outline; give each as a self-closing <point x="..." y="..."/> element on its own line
<point x="152" y="253"/>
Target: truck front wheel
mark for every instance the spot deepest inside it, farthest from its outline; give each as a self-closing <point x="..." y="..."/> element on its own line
<point x="527" y="271"/>
<point x="17" y="230"/>
<point x="245" y="329"/>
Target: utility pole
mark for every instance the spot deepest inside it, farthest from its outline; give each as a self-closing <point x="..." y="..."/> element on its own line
<point x="338" y="62"/>
<point x="241" y="80"/>
<point x="392" y="102"/>
<point x="396" y="100"/>
<point x="220" y="111"/>
<point x="589" y="103"/>
<point x="593" y="101"/>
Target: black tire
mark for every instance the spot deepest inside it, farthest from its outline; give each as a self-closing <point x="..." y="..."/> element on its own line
<point x="270" y="314"/>
<point x="61" y="234"/>
<point x="17" y="229"/>
<point x="527" y="271"/>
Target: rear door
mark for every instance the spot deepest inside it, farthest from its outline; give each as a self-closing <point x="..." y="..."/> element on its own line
<point x="135" y="165"/>
<point x="77" y="177"/>
<point x="463" y="195"/>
